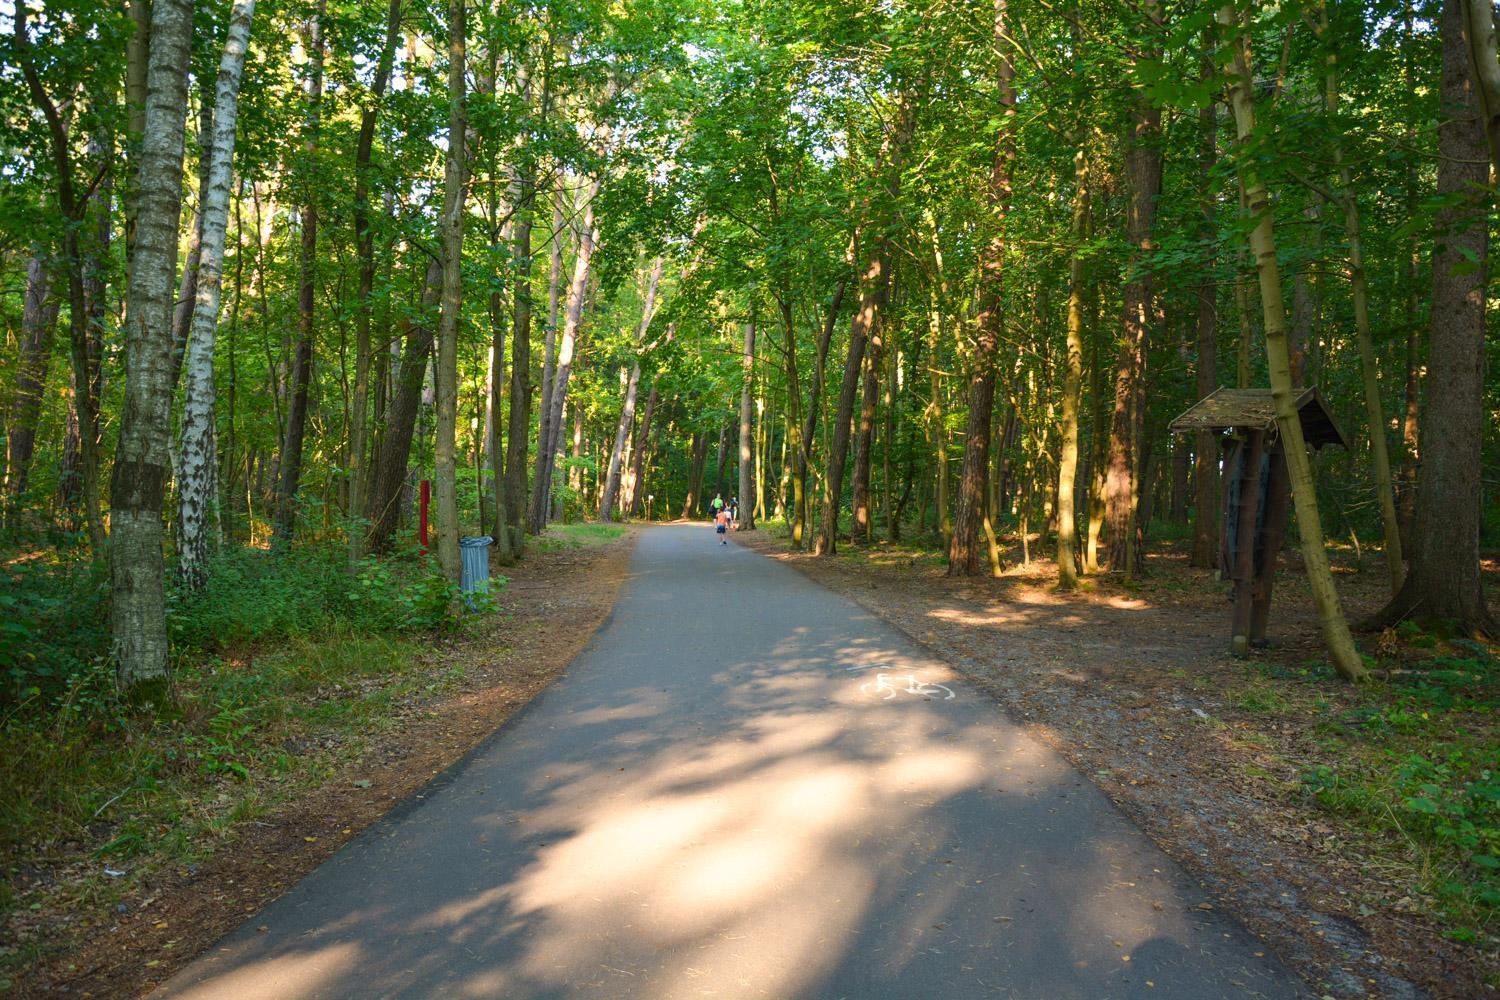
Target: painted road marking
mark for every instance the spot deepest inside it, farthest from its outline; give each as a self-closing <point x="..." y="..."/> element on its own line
<point x="888" y="688"/>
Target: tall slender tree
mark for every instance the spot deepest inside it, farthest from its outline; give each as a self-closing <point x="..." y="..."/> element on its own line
<point x="445" y="469"/>
<point x="1444" y="584"/>
<point x="197" y="463"/>
<point x="963" y="550"/>
<point x="138" y="610"/>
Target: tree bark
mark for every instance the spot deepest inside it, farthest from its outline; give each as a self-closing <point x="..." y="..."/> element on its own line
<point x="1143" y="169"/>
<point x="187" y="282"/>
<point x="746" y="517"/>
<point x="1444" y="585"/>
<point x="611" y="494"/>
<point x="809" y="428"/>
<point x="862" y="528"/>
<point x="720" y="462"/>
<point x="545" y="431"/>
<point x="937" y="418"/>
<point x="401" y="417"/>
<point x="1379" y="452"/>
<point x="970" y="506"/>
<point x="698" y="458"/>
<point x="833" y="485"/>
<point x="1067" y="468"/>
<point x="519" y="417"/>
<point x="302" y="358"/>
<point x="1205" y="448"/>
<point x="73" y="206"/>
<point x="541" y="501"/>
<point x="1485" y="63"/>
<point x="38" y="328"/>
<point x="138" y="614"/>
<point x="445" y="470"/>
<point x="198" y="461"/>
<point x="638" y="458"/>
<point x="1336" y="635"/>
<point x="364" y="240"/>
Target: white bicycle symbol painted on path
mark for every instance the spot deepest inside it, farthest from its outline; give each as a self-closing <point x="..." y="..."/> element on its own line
<point x="887" y="686"/>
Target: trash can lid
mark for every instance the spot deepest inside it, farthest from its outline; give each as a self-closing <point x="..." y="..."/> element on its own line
<point x="475" y="541"/>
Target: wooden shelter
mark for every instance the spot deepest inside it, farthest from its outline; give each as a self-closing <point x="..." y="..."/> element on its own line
<point x="1256" y="492"/>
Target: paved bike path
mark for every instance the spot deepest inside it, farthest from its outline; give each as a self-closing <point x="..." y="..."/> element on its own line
<point x="747" y="786"/>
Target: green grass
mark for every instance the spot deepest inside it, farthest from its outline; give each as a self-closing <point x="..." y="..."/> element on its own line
<point x="1412" y="763"/>
<point x="580" y="535"/>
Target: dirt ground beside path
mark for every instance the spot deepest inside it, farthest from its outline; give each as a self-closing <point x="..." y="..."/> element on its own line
<point x="553" y="605"/>
<point x="1135" y="688"/>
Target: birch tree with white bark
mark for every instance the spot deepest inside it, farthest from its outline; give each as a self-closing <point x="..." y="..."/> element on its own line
<point x="197" y="459"/>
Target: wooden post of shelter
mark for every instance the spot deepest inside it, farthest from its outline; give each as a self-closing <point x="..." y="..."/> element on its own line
<point x="1256" y="502"/>
<point x="1241" y="558"/>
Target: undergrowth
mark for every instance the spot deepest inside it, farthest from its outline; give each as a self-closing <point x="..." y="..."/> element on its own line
<point x="283" y="667"/>
<point x="1412" y="761"/>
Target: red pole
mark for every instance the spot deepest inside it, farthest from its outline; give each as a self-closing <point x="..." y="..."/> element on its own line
<point x="422" y="523"/>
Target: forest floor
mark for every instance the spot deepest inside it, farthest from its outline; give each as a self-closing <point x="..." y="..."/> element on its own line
<point x="85" y="929"/>
<point x="1349" y="826"/>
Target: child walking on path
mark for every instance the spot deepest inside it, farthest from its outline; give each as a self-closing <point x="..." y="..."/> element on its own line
<point x="721" y="524"/>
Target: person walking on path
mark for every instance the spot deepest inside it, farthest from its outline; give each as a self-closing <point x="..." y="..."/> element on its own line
<point x="721" y="524"/>
<point x="716" y="506"/>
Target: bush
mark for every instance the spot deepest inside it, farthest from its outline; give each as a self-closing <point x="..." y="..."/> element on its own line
<point x="54" y="615"/>
<point x="54" y="627"/>
<point x="254" y="596"/>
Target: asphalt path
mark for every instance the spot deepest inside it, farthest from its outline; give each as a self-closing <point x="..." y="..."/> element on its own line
<point x="747" y="786"/>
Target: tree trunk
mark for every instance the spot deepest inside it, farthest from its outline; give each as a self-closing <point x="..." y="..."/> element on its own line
<point x="862" y="528"/>
<point x="445" y="470"/>
<point x="1444" y="584"/>
<point x="611" y="492"/>
<point x="401" y="417"/>
<point x="1379" y="452"/>
<point x="187" y="282"/>
<point x="72" y="209"/>
<point x="302" y="359"/>
<point x="746" y="516"/>
<point x="638" y="451"/>
<point x="1336" y="635"/>
<point x="1205" y="448"/>
<point x="970" y="506"/>
<point x="137" y="55"/>
<point x="809" y="429"/>
<point x="721" y="461"/>
<point x="518" y="426"/>
<point x="937" y="419"/>
<point x="541" y="501"/>
<point x="1481" y="39"/>
<point x="364" y="240"/>
<point x="1143" y="168"/>
<point x="198" y="462"/>
<point x="833" y="485"/>
<point x="1067" y="468"/>
<point x="793" y="439"/>
<point x="138" y="614"/>
<point x="699" y="453"/>
<point x="38" y="328"/>
<point x="545" y="431"/>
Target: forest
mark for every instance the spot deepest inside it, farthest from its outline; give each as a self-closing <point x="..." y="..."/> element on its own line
<point x="930" y="274"/>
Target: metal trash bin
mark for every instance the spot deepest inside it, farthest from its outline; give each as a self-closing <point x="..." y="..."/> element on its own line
<point x="475" y="576"/>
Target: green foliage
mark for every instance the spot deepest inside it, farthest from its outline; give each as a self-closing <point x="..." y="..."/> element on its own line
<point x="54" y="619"/>
<point x="55" y="614"/>
<point x="254" y="596"/>
<point x="1418" y="765"/>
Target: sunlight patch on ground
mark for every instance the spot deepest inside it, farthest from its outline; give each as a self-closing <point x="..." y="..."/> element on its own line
<point x="299" y="974"/>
